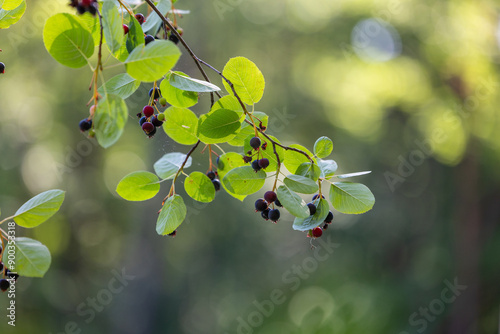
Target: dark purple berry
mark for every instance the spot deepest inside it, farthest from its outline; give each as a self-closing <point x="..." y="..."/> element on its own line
<point x="173" y="38"/>
<point x="316" y="196"/>
<point x="211" y="175"/>
<point x="216" y="184"/>
<point x="156" y="122"/>
<point x="329" y="218"/>
<point x="125" y="29"/>
<point x="143" y="120"/>
<point x="274" y="215"/>
<point x="270" y="196"/>
<point x="312" y="208"/>
<point x="264" y="146"/>
<point x="148" y="39"/>
<point x="255" y="142"/>
<point x="1" y="265"/>
<point x="152" y="133"/>
<point x="2" y="68"/>
<point x="260" y="204"/>
<point x="140" y="18"/>
<point x="148" y="127"/>
<point x="265" y="214"/>
<point x="148" y="111"/>
<point x="156" y="91"/>
<point x="278" y="203"/>
<point x="255" y="165"/>
<point x="247" y="159"/>
<point x="85" y="124"/>
<point x="263" y="163"/>
<point x="317" y="232"/>
<point x="4" y="284"/>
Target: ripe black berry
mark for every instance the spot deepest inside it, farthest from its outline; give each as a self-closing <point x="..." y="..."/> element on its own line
<point x="316" y="196"/>
<point x="148" y="39"/>
<point x="260" y="204"/>
<point x="265" y="214"/>
<point x="270" y="196"/>
<point x="156" y="122"/>
<point x="255" y="142"/>
<point x="317" y="232"/>
<point x="329" y="218"/>
<point x="278" y="203"/>
<point x="216" y="184"/>
<point x="143" y="120"/>
<point x="274" y="215"/>
<point x="125" y="29"/>
<point x="173" y="38"/>
<point x="263" y="163"/>
<point x="255" y="165"/>
<point x="4" y="284"/>
<point x="140" y="18"/>
<point x="85" y="124"/>
<point x="2" y="68"/>
<point x="312" y="208"/>
<point x="156" y="91"/>
<point x="211" y="175"/>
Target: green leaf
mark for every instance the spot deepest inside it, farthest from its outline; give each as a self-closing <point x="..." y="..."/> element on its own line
<point x="110" y="119"/>
<point x="227" y="162"/>
<point x="32" y="257"/>
<point x="247" y="129"/>
<point x="228" y="102"/>
<point x="309" y="170"/>
<point x="323" y="147"/>
<point x="171" y="216"/>
<point x="218" y="126"/>
<point x="112" y="26"/>
<point x="138" y="186"/>
<point x="244" y="180"/>
<point x="294" y="159"/>
<point x="301" y="184"/>
<point x="181" y="125"/>
<point x="345" y="176"/>
<point x="353" y="198"/>
<point x="268" y="153"/>
<point x="40" y="208"/>
<point x="246" y="78"/>
<point x="68" y="40"/>
<point x="199" y="187"/>
<point x="175" y="96"/>
<point x="168" y="165"/>
<point x="122" y="85"/>
<point x="153" y="21"/>
<point x="135" y="35"/>
<point x="151" y="62"/>
<point x="327" y="167"/>
<point x="11" y="12"/>
<point x="310" y="222"/>
<point x="184" y="82"/>
<point x="93" y="25"/>
<point x="292" y="202"/>
<point x="10" y="4"/>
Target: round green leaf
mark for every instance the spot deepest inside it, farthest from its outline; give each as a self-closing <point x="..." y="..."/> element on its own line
<point x="312" y="221"/>
<point x="151" y="62"/>
<point x="244" y="180"/>
<point x="122" y="85"/>
<point x="199" y="187"/>
<point x="301" y="184"/>
<point x="68" y="40"/>
<point x="327" y="167"/>
<point x="309" y="170"/>
<point x="294" y="159"/>
<point x="171" y="216"/>
<point x="292" y="202"/>
<point x="169" y="164"/>
<point x="227" y="162"/>
<point x="218" y="126"/>
<point x="110" y="119"/>
<point x="184" y="82"/>
<point x="268" y="153"/>
<point x="246" y="78"/>
<point x="180" y="125"/>
<point x="32" y="258"/>
<point x="40" y="208"/>
<point x="11" y="12"/>
<point x="112" y="26"/>
<point x="138" y="186"/>
<point x="352" y="198"/>
<point x="323" y="147"/>
<point x="175" y="96"/>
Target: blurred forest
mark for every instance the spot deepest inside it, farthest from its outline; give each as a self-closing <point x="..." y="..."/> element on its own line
<point x="407" y="89"/>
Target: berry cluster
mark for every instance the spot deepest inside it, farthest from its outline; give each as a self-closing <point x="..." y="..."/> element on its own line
<point x="257" y="164"/>
<point x="148" y="120"/>
<point x="318" y="231"/>
<point x="2" y="67"/>
<point x="263" y="205"/>
<point x="216" y="182"/>
<point x="6" y="276"/>
<point x="83" y="6"/>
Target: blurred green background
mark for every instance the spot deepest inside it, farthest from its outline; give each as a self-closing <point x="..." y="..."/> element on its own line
<point x="407" y="89"/>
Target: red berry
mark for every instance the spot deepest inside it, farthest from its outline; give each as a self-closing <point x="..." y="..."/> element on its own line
<point x="148" y="127"/>
<point x="86" y="3"/>
<point x="148" y="111"/>
<point x="125" y="29"/>
<point x="317" y="232"/>
<point x="140" y="18"/>
<point x="270" y="196"/>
